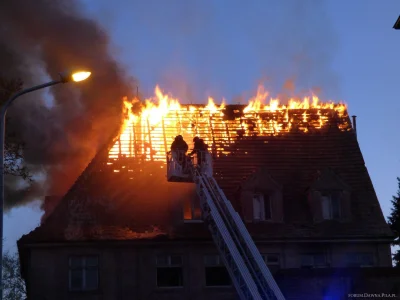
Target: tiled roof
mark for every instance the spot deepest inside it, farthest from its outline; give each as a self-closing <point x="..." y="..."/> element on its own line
<point x="117" y="205"/>
<point x="293" y="161"/>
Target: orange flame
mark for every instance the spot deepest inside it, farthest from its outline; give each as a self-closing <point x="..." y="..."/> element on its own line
<point x="148" y="134"/>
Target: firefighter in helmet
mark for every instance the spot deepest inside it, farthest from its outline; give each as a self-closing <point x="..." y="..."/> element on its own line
<point x="180" y="147"/>
<point x="199" y="148"/>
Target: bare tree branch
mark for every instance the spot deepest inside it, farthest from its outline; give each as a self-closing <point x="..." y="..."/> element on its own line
<point x="13" y="284"/>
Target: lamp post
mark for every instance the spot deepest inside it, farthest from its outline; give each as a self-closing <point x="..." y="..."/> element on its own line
<point x="397" y="24"/>
<point x="64" y="77"/>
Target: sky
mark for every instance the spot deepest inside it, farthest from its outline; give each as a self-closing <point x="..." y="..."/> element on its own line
<point x="342" y="50"/>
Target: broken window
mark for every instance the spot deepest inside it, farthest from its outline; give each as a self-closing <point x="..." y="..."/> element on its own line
<point x="262" y="210"/>
<point x="215" y="271"/>
<point x="316" y="260"/>
<point x="83" y="273"/>
<point x="330" y="206"/>
<point x="360" y="260"/>
<point x="169" y="271"/>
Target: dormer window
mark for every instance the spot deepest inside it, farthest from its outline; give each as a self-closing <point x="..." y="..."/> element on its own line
<point x="330" y="205"/>
<point x="329" y="198"/>
<point x="261" y="198"/>
<point x="191" y="210"/>
<point x="262" y="208"/>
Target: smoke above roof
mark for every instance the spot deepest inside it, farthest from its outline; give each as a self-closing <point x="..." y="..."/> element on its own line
<point x="39" y="39"/>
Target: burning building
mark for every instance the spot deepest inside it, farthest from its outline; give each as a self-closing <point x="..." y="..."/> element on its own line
<point x="294" y="172"/>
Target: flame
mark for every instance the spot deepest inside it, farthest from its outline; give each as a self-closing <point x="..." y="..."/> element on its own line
<point x="256" y="103"/>
<point x="147" y="134"/>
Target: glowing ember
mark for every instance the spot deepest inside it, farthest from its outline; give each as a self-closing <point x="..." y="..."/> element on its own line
<point x="148" y="134"/>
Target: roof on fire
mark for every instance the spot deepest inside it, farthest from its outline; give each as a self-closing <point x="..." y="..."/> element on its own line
<point x="107" y="205"/>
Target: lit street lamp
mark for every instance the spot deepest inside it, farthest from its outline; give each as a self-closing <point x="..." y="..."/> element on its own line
<point x="64" y="77"/>
<point x="397" y="24"/>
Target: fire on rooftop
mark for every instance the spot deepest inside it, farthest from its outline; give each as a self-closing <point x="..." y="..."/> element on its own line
<point x="147" y="135"/>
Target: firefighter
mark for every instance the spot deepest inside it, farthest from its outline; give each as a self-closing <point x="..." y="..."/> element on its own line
<point x="203" y="145"/>
<point x="199" y="149"/>
<point x="180" y="147"/>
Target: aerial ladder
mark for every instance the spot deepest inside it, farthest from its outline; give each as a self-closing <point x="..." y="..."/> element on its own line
<point x="247" y="269"/>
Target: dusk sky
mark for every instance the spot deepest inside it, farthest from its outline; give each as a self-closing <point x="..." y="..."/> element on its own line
<point x="343" y="50"/>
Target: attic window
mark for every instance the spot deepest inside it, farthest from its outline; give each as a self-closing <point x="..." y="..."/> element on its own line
<point x="330" y="205"/>
<point x="262" y="209"/>
<point x="191" y="210"/>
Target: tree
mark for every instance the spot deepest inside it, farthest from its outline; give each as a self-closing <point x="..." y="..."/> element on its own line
<point x="394" y="222"/>
<point x="13" y="284"/>
<point x="13" y="160"/>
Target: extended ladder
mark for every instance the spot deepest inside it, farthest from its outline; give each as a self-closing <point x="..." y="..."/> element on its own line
<point x="247" y="269"/>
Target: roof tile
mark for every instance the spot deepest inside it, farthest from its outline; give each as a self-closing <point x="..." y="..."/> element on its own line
<point x="115" y="205"/>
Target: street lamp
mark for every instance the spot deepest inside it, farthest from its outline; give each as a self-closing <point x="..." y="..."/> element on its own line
<point x="64" y="77"/>
<point x="397" y="24"/>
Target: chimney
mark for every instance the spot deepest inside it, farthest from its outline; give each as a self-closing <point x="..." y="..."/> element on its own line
<point x="355" y="124"/>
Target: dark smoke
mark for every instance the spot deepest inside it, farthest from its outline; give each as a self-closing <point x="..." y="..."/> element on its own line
<point x="39" y="39"/>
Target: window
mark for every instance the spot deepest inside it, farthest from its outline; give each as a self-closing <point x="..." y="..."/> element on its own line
<point x="360" y="260"/>
<point x="330" y="206"/>
<point x="272" y="261"/>
<point x="192" y="210"/>
<point x="83" y="273"/>
<point x="215" y="271"/>
<point x="262" y="207"/>
<point x="169" y="271"/>
<point x="317" y="260"/>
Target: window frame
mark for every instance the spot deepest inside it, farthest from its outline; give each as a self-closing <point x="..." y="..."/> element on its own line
<point x="267" y="255"/>
<point x="331" y="196"/>
<point x="167" y="265"/>
<point x="313" y="256"/>
<point x="359" y="262"/>
<point x="192" y="207"/>
<point x="83" y="268"/>
<point x="218" y="264"/>
<point x="262" y="205"/>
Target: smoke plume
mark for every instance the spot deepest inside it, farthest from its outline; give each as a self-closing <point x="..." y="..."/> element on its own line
<point x="39" y="39"/>
<point x="193" y="49"/>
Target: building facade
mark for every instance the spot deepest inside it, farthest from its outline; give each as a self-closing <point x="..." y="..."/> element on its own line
<point x="123" y="232"/>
